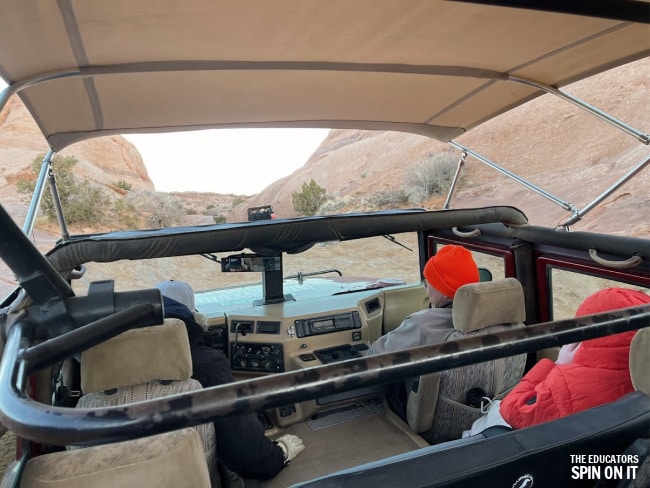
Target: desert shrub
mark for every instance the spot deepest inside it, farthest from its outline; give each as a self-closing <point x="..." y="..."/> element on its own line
<point x="337" y="204"/>
<point x="159" y="209"/>
<point x="432" y="176"/>
<point x="123" y="184"/>
<point x="82" y="202"/>
<point x="390" y="198"/>
<point x="238" y="201"/>
<point x="87" y="204"/>
<point x="309" y="200"/>
<point x="125" y="213"/>
<point x="219" y="219"/>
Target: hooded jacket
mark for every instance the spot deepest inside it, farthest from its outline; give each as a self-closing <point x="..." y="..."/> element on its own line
<point x="598" y="374"/>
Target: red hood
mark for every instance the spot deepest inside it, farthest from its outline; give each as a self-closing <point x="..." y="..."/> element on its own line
<point x="609" y="352"/>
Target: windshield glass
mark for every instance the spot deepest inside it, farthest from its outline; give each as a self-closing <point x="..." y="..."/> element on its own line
<point x="351" y="265"/>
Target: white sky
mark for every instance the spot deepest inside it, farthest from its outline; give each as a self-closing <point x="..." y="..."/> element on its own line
<point x="239" y="161"/>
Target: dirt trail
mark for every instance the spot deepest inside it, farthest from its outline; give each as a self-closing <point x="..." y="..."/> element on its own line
<point x="7" y="450"/>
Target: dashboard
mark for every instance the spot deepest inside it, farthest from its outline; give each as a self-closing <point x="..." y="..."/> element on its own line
<point x="291" y="335"/>
<point x="301" y="333"/>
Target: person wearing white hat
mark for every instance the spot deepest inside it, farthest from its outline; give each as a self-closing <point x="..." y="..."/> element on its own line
<point x="241" y="443"/>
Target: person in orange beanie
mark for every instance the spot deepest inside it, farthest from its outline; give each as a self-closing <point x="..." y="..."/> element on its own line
<point x="452" y="267"/>
<point x="585" y="374"/>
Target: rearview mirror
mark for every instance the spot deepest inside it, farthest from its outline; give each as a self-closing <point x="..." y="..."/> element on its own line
<point x="250" y="262"/>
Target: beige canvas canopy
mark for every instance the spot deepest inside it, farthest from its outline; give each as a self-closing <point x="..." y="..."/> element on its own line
<point x="86" y="68"/>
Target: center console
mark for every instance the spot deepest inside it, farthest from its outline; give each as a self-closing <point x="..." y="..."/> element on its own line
<point x="259" y="357"/>
<point x="340" y="353"/>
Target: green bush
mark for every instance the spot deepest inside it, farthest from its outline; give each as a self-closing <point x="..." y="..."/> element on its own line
<point x="82" y="202"/>
<point x="123" y="184"/>
<point x="238" y="201"/>
<point x="309" y="200"/>
<point x="219" y="219"/>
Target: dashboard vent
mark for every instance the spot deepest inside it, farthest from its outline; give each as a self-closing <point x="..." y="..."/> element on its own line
<point x="264" y="327"/>
<point x="242" y="327"/>
<point x="372" y="305"/>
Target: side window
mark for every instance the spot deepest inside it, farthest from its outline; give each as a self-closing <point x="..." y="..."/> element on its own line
<point x="493" y="264"/>
<point x="569" y="289"/>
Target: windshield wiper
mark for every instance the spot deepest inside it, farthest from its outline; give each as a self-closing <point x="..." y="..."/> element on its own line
<point x="211" y="257"/>
<point x="392" y="239"/>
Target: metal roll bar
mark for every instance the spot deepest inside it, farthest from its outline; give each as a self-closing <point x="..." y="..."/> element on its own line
<point x="82" y="426"/>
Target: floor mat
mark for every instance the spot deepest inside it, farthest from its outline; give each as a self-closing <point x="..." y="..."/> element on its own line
<point x="345" y="444"/>
<point x="345" y="414"/>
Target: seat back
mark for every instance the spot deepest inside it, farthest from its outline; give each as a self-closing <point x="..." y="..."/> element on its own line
<point x="639" y="360"/>
<point x="165" y="460"/>
<point x="142" y="364"/>
<point x="401" y="301"/>
<point x="437" y="405"/>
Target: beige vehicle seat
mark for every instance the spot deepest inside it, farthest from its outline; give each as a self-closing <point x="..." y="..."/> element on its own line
<point x="141" y="364"/>
<point x="639" y="360"/>
<point x="437" y="404"/>
<point x="165" y="460"/>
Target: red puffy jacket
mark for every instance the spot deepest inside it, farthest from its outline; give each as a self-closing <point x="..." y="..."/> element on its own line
<point x="598" y="374"/>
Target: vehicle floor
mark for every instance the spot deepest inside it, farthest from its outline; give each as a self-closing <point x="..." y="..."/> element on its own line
<point x="343" y="441"/>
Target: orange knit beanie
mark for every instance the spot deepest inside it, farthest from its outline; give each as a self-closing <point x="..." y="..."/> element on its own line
<point x="451" y="268"/>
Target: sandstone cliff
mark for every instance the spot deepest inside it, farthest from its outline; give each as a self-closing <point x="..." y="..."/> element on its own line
<point x="549" y="142"/>
<point x="102" y="160"/>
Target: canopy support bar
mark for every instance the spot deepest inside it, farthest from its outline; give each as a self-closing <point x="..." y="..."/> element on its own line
<point x="565" y="205"/>
<point x="45" y="175"/>
<point x="628" y="176"/>
<point x="46" y="167"/>
<point x="644" y="138"/>
<point x="454" y="182"/>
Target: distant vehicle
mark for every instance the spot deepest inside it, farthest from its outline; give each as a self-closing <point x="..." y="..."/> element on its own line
<point x="297" y="333"/>
<point x="263" y="212"/>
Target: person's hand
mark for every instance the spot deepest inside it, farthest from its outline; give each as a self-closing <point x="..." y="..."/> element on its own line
<point x="567" y="351"/>
<point x="291" y="446"/>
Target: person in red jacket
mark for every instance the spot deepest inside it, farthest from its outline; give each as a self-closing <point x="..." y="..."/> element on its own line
<point x="585" y="375"/>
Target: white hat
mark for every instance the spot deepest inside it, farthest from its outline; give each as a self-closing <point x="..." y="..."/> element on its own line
<point x="179" y="291"/>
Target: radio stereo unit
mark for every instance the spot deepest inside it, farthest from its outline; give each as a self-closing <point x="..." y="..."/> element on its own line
<point x="325" y="325"/>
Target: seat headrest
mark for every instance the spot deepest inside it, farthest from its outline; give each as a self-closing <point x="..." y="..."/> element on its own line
<point x="639" y="360"/>
<point x="479" y="305"/>
<point x="160" y="352"/>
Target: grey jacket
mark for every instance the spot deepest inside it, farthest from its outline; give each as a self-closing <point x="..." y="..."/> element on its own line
<point x="429" y="326"/>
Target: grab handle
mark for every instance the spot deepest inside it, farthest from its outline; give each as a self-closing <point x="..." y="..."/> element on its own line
<point x="627" y="263"/>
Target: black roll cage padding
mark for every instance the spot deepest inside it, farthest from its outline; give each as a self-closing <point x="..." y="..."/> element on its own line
<point x="102" y="302"/>
<point x="60" y="317"/>
<point x="267" y="237"/>
<point x="69" y="343"/>
<point x="83" y="426"/>
<point x="33" y="270"/>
